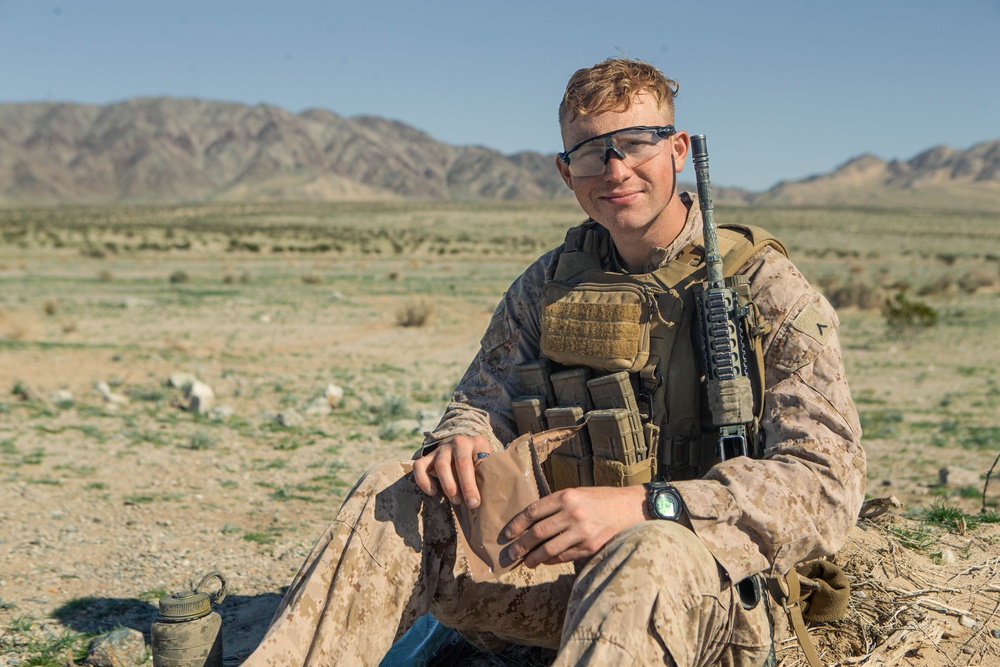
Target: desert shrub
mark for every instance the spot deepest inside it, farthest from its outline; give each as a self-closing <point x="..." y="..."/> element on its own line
<point x="105" y="276"/>
<point x="202" y="440"/>
<point x="943" y="285"/>
<point x="394" y="431"/>
<point x="312" y="279"/>
<point x="855" y="294"/>
<point x="903" y="315"/>
<point x="977" y="279"/>
<point x="392" y="408"/>
<point x="415" y="313"/>
<point x="179" y="276"/>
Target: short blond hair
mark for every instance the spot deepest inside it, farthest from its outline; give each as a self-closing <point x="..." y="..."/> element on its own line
<point x="612" y="85"/>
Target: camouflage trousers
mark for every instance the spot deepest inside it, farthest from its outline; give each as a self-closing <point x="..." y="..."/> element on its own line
<point x="653" y="595"/>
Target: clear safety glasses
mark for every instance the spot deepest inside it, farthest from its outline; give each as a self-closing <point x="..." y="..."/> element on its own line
<point x="632" y="145"/>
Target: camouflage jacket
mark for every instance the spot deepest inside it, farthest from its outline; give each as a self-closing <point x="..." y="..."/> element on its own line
<point x="796" y="504"/>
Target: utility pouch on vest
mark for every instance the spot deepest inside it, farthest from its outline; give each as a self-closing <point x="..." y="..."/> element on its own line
<point x="616" y="443"/>
<point x="614" y="392"/>
<point x="577" y="467"/>
<point x="605" y="327"/>
<point x="534" y="378"/>
<point x="570" y="388"/>
<point x="529" y="413"/>
<point x="608" y="472"/>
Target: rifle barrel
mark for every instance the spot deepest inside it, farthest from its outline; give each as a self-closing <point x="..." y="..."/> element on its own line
<point x="713" y="260"/>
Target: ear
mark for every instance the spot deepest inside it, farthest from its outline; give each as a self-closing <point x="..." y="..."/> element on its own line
<point x="564" y="172"/>
<point x="680" y="143"/>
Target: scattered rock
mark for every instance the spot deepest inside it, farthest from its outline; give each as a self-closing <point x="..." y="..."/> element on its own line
<point x="181" y="380"/>
<point x="26" y="392"/>
<point x="109" y="396"/>
<point x="318" y="406"/>
<point x="222" y="412"/>
<point x="289" y="418"/>
<point x="334" y="394"/>
<point x="122" y="647"/>
<point x="136" y="302"/>
<point x="61" y="396"/>
<point x="200" y="398"/>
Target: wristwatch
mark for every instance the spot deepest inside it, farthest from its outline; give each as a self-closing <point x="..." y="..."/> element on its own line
<point x="663" y="501"/>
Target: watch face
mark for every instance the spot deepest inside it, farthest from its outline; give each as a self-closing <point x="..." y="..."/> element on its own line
<point x="667" y="505"/>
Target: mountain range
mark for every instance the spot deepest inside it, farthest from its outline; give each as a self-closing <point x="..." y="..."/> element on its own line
<point x="167" y="149"/>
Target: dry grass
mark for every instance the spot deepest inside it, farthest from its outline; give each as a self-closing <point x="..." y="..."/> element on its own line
<point x="907" y="602"/>
<point x="415" y="312"/>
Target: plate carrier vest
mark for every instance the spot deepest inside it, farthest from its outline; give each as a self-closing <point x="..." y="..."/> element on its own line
<point x="610" y="321"/>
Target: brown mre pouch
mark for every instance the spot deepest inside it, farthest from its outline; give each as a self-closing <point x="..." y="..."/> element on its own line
<point x="508" y="482"/>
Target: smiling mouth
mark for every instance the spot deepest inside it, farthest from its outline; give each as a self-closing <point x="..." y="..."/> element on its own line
<point x="618" y="196"/>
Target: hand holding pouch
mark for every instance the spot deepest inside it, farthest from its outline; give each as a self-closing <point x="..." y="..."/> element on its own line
<point x="508" y="482"/>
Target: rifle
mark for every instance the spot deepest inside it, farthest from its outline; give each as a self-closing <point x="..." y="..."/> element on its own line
<point x="719" y="323"/>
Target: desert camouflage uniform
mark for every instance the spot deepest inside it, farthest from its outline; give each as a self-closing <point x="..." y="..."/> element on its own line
<point x="656" y="594"/>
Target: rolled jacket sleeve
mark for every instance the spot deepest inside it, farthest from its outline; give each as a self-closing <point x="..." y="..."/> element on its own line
<point x="799" y="501"/>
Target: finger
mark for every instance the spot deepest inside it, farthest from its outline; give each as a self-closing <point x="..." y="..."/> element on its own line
<point x="543" y="543"/>
<point x="544" y="524"/>
<point x="422" y="476"/>
<point x="557" y="549"/>
<point x="466" y="469"/>
<point x="446" y="475"/>
<point x="530" y="515"/>
<point x="571" y="554"/>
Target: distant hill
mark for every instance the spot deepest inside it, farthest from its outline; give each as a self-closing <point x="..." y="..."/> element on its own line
<point x="939" y="177"/>
<point x="167" y="149"/>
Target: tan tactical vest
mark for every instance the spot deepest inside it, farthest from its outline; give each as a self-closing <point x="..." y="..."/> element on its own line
<point x="611" y="321"/>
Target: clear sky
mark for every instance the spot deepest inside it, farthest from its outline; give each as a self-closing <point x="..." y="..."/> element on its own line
<point x="782" y="89"/>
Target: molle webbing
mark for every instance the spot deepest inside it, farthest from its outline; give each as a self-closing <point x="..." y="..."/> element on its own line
<point x="612" y="332"/>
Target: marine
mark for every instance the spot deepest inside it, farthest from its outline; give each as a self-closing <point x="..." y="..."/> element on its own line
<point x="651" y="567"/>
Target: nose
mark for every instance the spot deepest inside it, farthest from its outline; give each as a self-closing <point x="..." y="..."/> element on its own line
<point x="613" y="149"/>
<point x="616" y="170"/>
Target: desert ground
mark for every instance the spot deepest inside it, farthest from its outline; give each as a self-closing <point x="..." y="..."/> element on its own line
<point x="115" y="490"/>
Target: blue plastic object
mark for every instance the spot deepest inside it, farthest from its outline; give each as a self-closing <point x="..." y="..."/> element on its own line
<point x="420" y="644"/>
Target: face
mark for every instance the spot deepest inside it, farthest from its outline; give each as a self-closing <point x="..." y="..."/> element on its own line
<point x="632" y="203"/>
